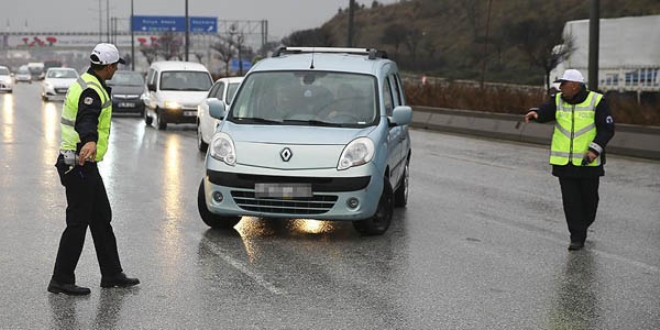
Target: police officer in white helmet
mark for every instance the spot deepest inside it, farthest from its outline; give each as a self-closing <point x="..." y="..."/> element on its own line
<point x="85" y="126"/>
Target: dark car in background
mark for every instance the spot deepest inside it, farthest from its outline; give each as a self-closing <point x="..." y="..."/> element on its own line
<point x="127" y="90"/>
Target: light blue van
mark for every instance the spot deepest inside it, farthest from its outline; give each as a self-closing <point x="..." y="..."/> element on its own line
<point x="313" y="133"/>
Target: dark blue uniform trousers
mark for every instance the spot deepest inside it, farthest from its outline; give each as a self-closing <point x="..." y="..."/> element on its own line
<point x="87" y="205"/>
<point x="580" y="199"/>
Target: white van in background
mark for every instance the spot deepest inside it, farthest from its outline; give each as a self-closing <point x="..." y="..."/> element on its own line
<point x="174" y="89"/>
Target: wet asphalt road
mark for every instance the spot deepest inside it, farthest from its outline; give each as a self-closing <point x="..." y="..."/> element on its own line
<point x="481" y="245"/>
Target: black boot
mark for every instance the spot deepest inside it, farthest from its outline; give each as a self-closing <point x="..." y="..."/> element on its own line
<point x="68" y="289"/>
<point x="575" y="246"/>
<point x="120" y="280"/>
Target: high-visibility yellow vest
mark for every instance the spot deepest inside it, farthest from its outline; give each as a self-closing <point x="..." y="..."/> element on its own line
<point x="69" y="135"/>
<point x="575" y="129"/>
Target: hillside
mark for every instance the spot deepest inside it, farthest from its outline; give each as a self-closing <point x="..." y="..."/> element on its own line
<point x="447" y="38"/>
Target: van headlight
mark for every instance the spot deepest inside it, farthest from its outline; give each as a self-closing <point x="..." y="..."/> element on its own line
<point x="172" y="105"/>
<point x="358" y="152"/>
<point x="222" y="149"/>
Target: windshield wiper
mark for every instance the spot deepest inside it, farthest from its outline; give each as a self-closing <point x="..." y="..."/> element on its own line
<point x="257" y="120"/>
<point x="313" y="122"/>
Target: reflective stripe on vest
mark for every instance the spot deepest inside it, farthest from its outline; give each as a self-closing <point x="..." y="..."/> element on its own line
<point x="575" y="129"/>
<point x="70" y="137"/>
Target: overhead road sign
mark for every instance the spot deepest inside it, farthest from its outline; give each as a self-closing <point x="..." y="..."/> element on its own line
<point x="174" y="24"/>
<point x="159" y="24"/>
<point x="204" y="25"/>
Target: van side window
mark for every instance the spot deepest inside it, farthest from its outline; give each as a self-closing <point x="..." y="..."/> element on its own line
<point x="213" y="90"/>
<point x="220" y="91"/>
<point x="398" y="92"/>
<point x="150" y="76"/>
<point x="388" y="102"/>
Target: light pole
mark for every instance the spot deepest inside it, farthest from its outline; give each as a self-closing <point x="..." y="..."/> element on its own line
<point x="187" y="31"/>
<point x="107" y="17"/>
<point x="132" y="41"/>
<point x="594" y="35"/>
<point x="100" y="23"/>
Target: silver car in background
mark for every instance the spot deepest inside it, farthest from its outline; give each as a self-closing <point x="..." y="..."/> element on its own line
<point x="6" y="80"/>
<point x="56" y="83"/>
<point x="223" y="90"/>
<point x="23" y="75"/>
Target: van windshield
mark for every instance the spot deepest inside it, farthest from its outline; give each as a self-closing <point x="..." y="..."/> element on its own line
<point x="306" y="98"/>
<point x="185" y="81"/>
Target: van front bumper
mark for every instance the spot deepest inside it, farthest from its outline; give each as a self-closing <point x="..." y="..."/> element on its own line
<point x="351" y="196"/>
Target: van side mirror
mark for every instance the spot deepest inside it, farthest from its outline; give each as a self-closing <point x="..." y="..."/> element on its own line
<point x="151" y="87"/>
<point x="217" y="109"/>
<point x="402" y="115"/>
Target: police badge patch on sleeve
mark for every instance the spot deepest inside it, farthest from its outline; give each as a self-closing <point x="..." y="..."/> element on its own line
<point x="88" y="100"/>
<point x="609" y="119"/>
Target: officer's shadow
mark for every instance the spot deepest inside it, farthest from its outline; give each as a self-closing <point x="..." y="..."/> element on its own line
<point x="108" y="309"/>
<point x="575" y="305"/>
<point x="63" y="310"/>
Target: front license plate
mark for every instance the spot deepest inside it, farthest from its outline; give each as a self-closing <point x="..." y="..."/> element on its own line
<point x="282" y="190"/>
<point x="126" y="105"/>
<point x="190" y="113"/>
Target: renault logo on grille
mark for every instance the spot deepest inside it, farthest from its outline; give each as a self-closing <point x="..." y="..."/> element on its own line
<point x="286" y="154"/>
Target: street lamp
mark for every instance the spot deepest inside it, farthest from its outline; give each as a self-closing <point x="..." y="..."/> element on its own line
<point x="132" y="40"/>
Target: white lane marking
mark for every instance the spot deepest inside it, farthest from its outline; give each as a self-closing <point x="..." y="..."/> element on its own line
<point x="241" y="267"/>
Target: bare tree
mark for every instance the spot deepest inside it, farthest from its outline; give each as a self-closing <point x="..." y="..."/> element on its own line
<point x="472" y="13"/>
<point x="395" y="35"/>
<point x="149" y="52"/>
<point x="169" y="46"/>
<point x="538" y="38"/>
<point x="413" y="38"/>
<point x="224" y="52"/>
<point x="199" y="57"/>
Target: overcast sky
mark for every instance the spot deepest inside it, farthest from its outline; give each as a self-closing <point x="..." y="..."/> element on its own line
<point x="283" y="16"/>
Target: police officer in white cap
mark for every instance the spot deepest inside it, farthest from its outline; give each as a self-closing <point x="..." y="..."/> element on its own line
<point x="583" y="127"/>
<point x="85" y="127"/>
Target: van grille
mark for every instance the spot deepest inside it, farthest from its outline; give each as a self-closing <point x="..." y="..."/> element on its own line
<point x="317" y="204"/>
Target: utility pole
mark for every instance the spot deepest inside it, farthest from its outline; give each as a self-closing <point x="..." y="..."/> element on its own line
<point x="351" y="13"/>
<point x="107" y="18"/>
<point x="187" y="31"/>
<point x="132" y="40"/>
<point x="483" y="68"/>
<point x="594" y="41"/>
<point x="100" y="23"/>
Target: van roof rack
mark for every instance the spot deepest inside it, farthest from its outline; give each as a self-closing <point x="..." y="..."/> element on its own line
<point x="371" y="52"/>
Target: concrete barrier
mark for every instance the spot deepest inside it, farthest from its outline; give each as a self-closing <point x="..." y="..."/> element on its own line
<point x="630" y="140"/>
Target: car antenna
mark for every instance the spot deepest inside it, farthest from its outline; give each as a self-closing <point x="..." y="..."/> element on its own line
<point x="311" y="65"/>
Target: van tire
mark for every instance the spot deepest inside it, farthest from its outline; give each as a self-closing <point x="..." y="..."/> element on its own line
<point x="147" y="119"/>
<point x="380" y="221"/>
<point x="213" y="220"/>
<point x="401" y="193"/>
<point x="162" y="125"/>
<point x="201" y="145"/>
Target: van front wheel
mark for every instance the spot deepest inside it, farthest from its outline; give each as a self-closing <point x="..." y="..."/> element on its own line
<point x="147" y="119"/>
<point x="162" y="124"/>
<point x="380" y="221"/>
<point x="213" y="220"/>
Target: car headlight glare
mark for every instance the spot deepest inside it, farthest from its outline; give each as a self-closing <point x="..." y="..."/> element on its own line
<point x="173" y="105"/>
<point x="222" y="149"/>
<point x="358" y="152"/>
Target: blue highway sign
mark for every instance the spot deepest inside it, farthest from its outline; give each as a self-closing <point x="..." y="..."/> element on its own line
<point x="174" y="24"/>
<point x="159" y="24"/>
<point x="204" y="24"/>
